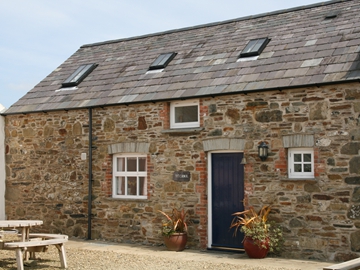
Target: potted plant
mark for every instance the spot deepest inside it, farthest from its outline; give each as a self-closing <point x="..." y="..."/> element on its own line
<point x="261" y="235"/>
<point x="174" y="229"/>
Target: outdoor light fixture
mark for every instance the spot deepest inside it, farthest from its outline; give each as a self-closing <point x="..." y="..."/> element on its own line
<point x="243" y="161"/>
<point x="263" y="151"/>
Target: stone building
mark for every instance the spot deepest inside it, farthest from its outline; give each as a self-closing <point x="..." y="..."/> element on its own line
<point x="127" y="127"/>
<point x="2" y="164"/>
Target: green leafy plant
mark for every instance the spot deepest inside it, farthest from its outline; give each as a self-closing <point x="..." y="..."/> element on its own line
<point x="256" y="225"/>
<point x="176" y="222"/>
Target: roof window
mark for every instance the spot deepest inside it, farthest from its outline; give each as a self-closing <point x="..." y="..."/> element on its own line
<point x="79" y="75"/>
<point x="254" y="47"/>
<point x="162" y="61"/>
<point x="332" y="14"/>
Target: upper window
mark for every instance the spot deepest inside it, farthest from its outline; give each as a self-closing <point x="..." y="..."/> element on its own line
<point x="79" y="74"/>
<point x="129" y="176"/>
<point x="301" y="162"/>
<point x="162" y="61"/>
<point x="184" y="114"/>
<point x="254" y="47"/>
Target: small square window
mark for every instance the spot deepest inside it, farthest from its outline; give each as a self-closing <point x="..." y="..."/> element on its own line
<point x="301" y="163"/>
<point x="129" y="176"/>
<point x="184" y="114"/>
<point x="162" y="61"/>
<point x="79" y="75"/>
<point x="254" y="47"/>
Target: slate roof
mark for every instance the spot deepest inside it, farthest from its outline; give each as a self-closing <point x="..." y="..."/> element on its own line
<point x="305" y="49"/>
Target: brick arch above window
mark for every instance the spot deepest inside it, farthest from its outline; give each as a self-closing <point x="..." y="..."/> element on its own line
<point x="298" y="140"/>
<point x="224" y="144"/>
<point x="129" y="147"/>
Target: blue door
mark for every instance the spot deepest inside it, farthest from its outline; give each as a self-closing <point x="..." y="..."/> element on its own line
<point x="227" y="198"/>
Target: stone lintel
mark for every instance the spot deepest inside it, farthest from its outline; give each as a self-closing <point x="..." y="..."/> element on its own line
<point x="298" y="140"/>
<point x="224" y="144"/>
<point x="129" y="147"/>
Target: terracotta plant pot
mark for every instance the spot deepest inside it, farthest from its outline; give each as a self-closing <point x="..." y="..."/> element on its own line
<point x="254" y="250"/>
<point x="176" y="241"/>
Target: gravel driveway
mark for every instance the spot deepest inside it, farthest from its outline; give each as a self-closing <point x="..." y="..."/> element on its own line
<point x="107" y="257"/>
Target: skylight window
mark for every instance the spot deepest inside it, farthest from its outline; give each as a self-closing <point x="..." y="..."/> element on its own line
<point x="79" y="75"/>
<point x="162" y="61"/>
<point x="254" y="47"/>
<point x="332" y="14"/>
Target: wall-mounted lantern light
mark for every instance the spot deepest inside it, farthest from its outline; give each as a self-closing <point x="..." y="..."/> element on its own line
<point x="263" y="151"/>
<point x="243" y="161"/>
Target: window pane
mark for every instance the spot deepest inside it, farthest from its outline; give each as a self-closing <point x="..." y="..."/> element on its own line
<point x="142" y="164"/>
<point x="142" y="186"/>
<point x="258" y="44"/>
<point x="81" y="73"/>
<point x="120" y="164"/>
<point x="297" y="167"/>
<point x="71" y="78"/>
<point x="131" y="164"/>
<point x="307" y="167"/>
<point x="297" y="157"/>
<point x="186" y="114"/>
<point x="160" y="60"/>
<point x="120" y="185"/>
<point x="131" y="186"/>
<point x="307" y="157"/>
<point x="250" y="46"/>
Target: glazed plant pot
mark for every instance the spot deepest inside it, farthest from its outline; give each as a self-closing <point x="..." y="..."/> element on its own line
<point x="176" y="241"/>
<point x="255" y="250"/>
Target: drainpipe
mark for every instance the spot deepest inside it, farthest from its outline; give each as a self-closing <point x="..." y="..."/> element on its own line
<point x="90" y="174"/>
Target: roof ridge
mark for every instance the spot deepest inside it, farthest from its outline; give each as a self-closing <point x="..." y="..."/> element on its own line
<point x="277" y="12"/>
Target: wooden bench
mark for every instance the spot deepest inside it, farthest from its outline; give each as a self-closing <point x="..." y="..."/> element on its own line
<point x="349" y="265"/>
<point x="37" y="240"/>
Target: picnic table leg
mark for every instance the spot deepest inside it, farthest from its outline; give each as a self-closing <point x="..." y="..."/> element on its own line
<point x="25" y="237"/>
<point x="62" y="255"/>
<point x="19" y="259"/>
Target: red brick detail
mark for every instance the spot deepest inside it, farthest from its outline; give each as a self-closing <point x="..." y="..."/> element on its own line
<point x="150" y="170"/>
<point x="204" y="111"/>
<point x="319" y="165"/>
<point x="165" y="115"/>
<point x="106" y="185"/>
<point x="201" y="207"/>
<point x="281" y="165"/>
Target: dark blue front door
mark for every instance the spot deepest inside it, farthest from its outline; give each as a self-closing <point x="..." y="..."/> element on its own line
<point x="227" y="198"/>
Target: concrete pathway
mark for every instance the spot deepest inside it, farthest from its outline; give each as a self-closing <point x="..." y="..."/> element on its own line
<point x="197" y="255"/>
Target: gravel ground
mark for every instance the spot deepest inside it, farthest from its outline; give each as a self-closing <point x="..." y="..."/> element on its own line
<point x="109" y="260"/>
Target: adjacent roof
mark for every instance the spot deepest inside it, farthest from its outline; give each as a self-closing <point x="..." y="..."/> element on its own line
<point x="305" y="49"/>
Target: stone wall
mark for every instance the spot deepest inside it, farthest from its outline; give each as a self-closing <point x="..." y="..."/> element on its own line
<point x="2" y="164"/>
<point x="48" y="180"/>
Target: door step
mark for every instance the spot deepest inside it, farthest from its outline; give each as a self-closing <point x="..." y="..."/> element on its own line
<point x="227" y="249"/>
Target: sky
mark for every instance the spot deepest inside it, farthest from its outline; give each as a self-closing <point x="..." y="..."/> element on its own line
<point x="37" y="36"/>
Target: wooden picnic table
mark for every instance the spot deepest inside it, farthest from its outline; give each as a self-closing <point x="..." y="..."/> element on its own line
<point x="31" y="241"/>
<point x="23" y="225"/>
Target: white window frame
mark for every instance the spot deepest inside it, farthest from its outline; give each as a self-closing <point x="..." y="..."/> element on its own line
<point x="291" y="163"/>
<point x="126" y="174"/>
<point x="184" y="103"/>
